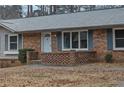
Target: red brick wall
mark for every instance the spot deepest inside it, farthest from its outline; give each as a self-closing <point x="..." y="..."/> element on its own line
<point x="118" y="56"/>
<point x="32" y="40"/>
<point x="100" y="46"/>
<point x="68" y="58"/>
<point x="9" y="63"/>
<point x="100" y="43"/>
<point x="54" y="42"/>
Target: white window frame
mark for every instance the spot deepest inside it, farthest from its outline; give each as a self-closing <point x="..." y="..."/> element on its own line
<point x="114" y="48"/>
<point x="9" y="42"/>
<point x="76" y="49"/>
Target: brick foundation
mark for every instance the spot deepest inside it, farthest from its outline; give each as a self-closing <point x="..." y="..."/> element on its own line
<point x="9" y="62"/>
<point x="118" y="56"/>
<point x="68" y="58"/>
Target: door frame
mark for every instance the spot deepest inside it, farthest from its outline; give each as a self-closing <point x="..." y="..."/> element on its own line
<point x="42" y="41"/>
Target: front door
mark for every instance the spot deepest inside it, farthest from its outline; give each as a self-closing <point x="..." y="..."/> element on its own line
<point x="47" y="42"/>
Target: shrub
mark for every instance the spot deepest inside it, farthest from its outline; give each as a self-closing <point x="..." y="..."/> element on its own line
<point x="22" y="54"/>
<point x="108" y="57"/>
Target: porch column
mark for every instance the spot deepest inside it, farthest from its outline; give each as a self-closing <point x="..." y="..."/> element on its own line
<point x="54" y="42"/>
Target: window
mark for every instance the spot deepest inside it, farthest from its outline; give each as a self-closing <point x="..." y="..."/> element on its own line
<point x="66" y="40"/>
<point x="13" y="42"/>
<point x="119" y="39"/>
<point x="83" y="39"/>
<point x="74" y="40"/>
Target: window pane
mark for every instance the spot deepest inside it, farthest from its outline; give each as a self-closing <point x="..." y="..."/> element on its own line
<point x="13" y="38"/>
<point x="66" y="40"/>
<point x="74" y="39"/>
<point x="119" y="43"/>
<point x="13" y="42"/>
<point x="119" y="34"/>
<point x="83" y="39"/>
<point x="13" y="46"/>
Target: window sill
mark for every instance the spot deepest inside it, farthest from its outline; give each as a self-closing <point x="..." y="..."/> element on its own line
<point x="11" y="52"/>
<point x="120" y="49"/>
<point x="75" y="49"/>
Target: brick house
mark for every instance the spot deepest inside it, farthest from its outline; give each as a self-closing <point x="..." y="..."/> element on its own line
<point x="66" y="38"/>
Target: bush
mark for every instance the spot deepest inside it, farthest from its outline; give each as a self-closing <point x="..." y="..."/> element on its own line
<point x="108" y="57"/>
<point x="22" y="54"/>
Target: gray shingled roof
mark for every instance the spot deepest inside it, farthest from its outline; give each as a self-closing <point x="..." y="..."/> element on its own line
<point x="81" y="19"/>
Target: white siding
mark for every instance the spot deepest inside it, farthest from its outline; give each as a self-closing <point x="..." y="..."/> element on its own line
<point x="2" y="40"/>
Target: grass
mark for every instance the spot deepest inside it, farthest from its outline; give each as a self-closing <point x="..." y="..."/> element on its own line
<point x="40" y="75"/>
<point x="87" y="75"/>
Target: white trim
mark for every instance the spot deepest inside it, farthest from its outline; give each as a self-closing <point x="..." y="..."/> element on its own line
<point x="79" y="39"/>
<point x="9" y="29"/>
<point x="113" y="33"/>
<point x="77" y="49"/>
<point x="87" y="40"/>
<point x="121" y="28"/>
<point x="9" y="35"/>
<point x="114" y="48"/>
<point x="41" y="42"/>
<point x="70" y="40"/>
<point x="11" y="52"/>
<point x="62" y="41"/>
<point x="82" y="49"/>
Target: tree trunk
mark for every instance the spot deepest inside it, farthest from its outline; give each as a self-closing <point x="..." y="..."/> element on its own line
<point x="54" y="9"/>
<point x="30" y="11"/>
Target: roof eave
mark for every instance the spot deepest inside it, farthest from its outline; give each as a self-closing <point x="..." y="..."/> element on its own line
<point x="73" y="28"/>
<point x="6" y="27"/>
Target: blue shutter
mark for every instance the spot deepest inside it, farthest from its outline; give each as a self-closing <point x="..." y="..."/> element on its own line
<point x="20" y="41"/>
<point x="59" y="40"/>
<point x="6" y="42"/>
<point x="90" y="39"/>
<point x="109" y="39"/>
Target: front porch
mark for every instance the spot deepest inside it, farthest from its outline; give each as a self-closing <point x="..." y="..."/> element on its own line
<point x="62" y="58"/>
<point x="60" y="48"/>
